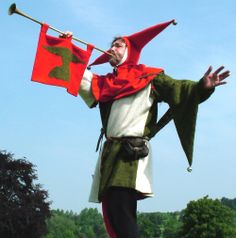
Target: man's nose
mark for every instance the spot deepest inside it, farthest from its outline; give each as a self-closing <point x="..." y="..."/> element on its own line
<point x="113" y="48"/>
<point x="111" y="51"/>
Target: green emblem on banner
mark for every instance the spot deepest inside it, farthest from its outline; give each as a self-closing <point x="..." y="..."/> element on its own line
<point x="63" y="71"/>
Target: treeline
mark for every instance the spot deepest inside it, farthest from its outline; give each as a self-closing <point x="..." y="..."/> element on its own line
<point x="203" y="218"/>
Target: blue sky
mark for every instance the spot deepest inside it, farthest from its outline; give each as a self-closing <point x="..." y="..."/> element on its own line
<point x="58" y="133"/>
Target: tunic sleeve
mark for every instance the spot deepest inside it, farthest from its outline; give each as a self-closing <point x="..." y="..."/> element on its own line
<point x="85" y="90"/>
<point x="183" y="97"/>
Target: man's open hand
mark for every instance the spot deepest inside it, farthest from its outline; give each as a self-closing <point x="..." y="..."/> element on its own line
<point x="212" y="80"/>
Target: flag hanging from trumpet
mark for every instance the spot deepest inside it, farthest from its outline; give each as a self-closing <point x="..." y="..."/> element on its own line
<point x="59" y="62"/>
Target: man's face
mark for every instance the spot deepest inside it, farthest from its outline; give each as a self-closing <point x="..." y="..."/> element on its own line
<point x="117" y="50"/>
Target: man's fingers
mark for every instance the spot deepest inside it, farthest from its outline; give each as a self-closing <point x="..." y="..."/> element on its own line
<point x="66" y="34"/>
<point x="217" y="78"/>
<point x="208" y="71"/>
<point x="224" y="75"/>
<point x="220" y="83"/>
<point x="218" y="70"/>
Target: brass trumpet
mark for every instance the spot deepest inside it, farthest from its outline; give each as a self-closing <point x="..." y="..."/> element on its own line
<point x="13" y="9"/>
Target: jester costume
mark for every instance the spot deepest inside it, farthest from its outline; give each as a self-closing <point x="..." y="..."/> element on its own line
<point x="128" y="101"/>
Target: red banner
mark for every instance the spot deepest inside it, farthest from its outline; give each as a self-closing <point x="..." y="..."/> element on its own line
<point x="59" y="62"/>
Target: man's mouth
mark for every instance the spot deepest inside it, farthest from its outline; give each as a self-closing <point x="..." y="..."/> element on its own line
<point x="112" y="55"/>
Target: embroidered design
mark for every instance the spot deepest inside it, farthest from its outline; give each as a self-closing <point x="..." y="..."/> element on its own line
<point x="63" y="71"/>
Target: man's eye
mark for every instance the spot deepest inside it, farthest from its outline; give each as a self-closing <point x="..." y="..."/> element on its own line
<point x="117" y="45"/>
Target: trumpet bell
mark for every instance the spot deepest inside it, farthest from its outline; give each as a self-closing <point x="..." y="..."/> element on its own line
<point x="12" y="9"/>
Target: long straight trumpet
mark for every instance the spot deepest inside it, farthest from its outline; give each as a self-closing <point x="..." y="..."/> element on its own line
<point x="12" y="9"/>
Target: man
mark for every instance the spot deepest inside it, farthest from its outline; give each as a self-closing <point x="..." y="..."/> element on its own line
<point x="128" y="99"/>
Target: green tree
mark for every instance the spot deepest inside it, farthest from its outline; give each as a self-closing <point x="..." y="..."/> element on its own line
<point x="229" y="202"/>
<point x="150" y="224"/>
<point x="91" y="224"/>
<point x="23" y="204"/>
<point x="157" y="224"/>
<point x="172" y="225"/>
<point x="62" y="225"/>
<point x="207" y="218"/>
<point x="88" y="224"/>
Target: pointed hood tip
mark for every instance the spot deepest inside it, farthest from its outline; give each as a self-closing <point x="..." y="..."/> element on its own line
<point x="136" y="43"/>
<point x="189" y="169"/>
<point x="174" y="22"/>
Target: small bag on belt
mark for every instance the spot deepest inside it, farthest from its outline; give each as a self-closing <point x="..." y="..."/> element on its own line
<point x="134" y="148"/>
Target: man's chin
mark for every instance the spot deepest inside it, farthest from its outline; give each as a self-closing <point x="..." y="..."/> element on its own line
<point x="113" y="62"/>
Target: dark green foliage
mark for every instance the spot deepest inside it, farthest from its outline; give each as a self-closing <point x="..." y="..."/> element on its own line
<point x="229" y="203"/>
<point x="150" y="224"/>
<point x="88" y="224"/>
<point x="172" y="225"/>
<point x="62" y="225"/>
<point x="157" y="224"/>
<point x="207" y="218"/>
<point x="23" y="205"/>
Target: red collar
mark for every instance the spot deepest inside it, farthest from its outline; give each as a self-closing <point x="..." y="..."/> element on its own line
<point x="126" y="80"/>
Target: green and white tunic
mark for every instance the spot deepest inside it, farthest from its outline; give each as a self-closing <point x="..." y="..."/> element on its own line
<point x="136" y="116"/>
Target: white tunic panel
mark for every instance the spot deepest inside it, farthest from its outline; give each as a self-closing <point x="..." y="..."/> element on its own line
<point x="144" y="174"/>
<point x="128" y="115"/>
